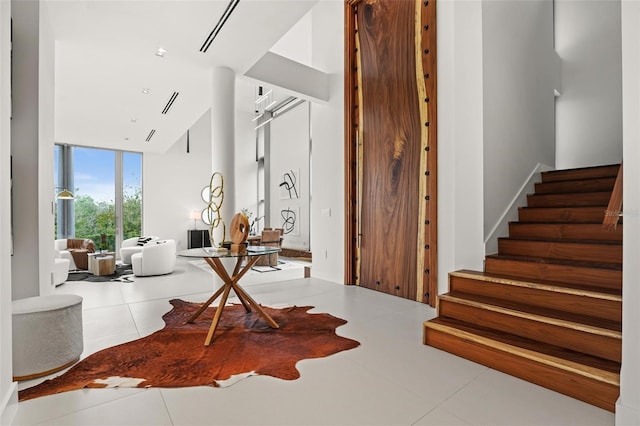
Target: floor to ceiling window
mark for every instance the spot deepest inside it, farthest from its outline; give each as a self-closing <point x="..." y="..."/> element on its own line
<point x="107" y="194"/>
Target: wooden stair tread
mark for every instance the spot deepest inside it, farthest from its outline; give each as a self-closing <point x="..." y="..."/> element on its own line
<point x="548" y="260"/>
<point x="556" y="231"/>
<point x="563" y="241"/>
<point x="547" y="285"/>
<point x="577" y="322"/>
<point x="576" y="185"/>
<point x="609" y="170"/>
<point x="577" y="362"/>
<point x="566" y="214"/>
<point x="575" y="199"/>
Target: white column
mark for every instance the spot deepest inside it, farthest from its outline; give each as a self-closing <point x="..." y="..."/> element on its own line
<point x="223" y="139"/>
<point x="628" y="405"/>
<point x="8" y="388"/>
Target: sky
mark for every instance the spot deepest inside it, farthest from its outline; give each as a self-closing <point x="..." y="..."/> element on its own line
<point x="95" y="172"/>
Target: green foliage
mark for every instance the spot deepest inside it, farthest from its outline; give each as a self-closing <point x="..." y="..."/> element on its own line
<point x="93" y="219"/>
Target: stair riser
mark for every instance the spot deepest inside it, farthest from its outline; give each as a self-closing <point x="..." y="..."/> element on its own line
<point x="593" y="277"/>
<point x="562" y="215"/>
<point x="575" y="304"/>
<point x="603" y="395"/>
<point x="569" y="251"/>
<point x="593" y="232"/>
<point x="575" y="174"/>
<point x="596" y="345"/>
<point x="569" y="200"/>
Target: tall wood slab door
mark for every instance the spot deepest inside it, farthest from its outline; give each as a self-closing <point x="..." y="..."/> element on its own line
<point x="390" y="146"/>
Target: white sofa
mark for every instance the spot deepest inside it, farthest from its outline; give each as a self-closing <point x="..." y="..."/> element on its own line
<point x="134" y="245"/>
<point x="155" y="258"/>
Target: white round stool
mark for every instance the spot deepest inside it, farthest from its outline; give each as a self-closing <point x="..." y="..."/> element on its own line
<point x="47" y="334"/>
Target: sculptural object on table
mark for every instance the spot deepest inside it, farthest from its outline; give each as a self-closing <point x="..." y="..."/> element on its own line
<point x="213" y="195"/>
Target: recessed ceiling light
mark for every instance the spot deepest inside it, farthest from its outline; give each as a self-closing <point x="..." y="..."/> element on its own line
<point x="146" y="91"/>
<point x="160" y="52"/>
<point x="126" y="139"/>
<point x="133" y="120"/>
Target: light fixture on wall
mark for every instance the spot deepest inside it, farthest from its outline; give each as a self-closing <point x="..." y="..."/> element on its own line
<point x="195" y="215"/>
<point x="65" y="194"/>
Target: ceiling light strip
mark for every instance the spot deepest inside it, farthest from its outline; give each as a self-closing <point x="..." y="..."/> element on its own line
<point x="214" y="33"/>
<point x="170" y="103"/>
<point x="151" y="133"/>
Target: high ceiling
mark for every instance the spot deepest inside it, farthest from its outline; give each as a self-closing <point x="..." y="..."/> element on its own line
<point x="106" y="56"/>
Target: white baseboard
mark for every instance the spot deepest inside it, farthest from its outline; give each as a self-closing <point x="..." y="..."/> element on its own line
<point x="510" y="214"/>
<point x="9" y="405"/>
<point x="626" y="416"/>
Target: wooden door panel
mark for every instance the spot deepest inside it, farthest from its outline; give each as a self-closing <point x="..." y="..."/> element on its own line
<point x="390" y="146"/>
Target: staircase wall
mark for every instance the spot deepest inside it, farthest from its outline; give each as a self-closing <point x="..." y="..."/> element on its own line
<point x="520" y="73"/>
<point x="591" y="83"/>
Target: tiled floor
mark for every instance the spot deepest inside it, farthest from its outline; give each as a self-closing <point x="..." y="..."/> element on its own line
<point x="391" y="379"/>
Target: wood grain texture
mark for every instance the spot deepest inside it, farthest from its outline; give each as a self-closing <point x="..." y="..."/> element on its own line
<point x="561" y="214"/>
<point x="391" y="147"/>
<point x="570" y="231"/>
<point x="592" y="386"/>
<point x="557" y="297"/>
<point x="429" y="269"/>
<point x="570" y="250"/>
<point x="581" y="173"/>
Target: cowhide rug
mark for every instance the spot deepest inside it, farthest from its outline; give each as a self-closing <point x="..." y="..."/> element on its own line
<point x="175" y="356"/>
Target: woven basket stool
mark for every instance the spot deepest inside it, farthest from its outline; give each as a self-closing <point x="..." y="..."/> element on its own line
<point x="47" y="334"/>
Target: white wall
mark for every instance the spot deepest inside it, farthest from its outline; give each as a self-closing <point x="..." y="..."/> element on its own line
<point x="289" y="151"/>
<point x="8" y="389"/>
<point x="589" y="110"/>
<point x="172" y="183"/>
<point x="245" y="159"/>
<point x="25" y="150"/>
<point x="519" y="70"/>
<point x="296" y="43"/>
<point x="46" y="132"/>
<point x="628" y="406"/>
<point x="460" y="138"/>
<point x="327" y="134"/>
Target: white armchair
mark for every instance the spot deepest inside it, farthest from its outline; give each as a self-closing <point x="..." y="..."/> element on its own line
<point x="61" y="247"/>
<point x="156" y="258"/>
<point x="60" y="268"/>
<point x="134" y="245"/>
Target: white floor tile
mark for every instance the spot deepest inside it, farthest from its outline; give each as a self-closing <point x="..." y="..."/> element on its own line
<point x="390" y="379"/>
<point x="494" y="398"/>
<point x="139" y="409"/>
<point x="441" y="417"/>
<point x="94" y="295"/>
<point x="109" y="321"/>
<point x="35" y="411"/>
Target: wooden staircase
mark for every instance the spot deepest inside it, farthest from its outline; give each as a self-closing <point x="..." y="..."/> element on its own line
<point x="548" y="307"/>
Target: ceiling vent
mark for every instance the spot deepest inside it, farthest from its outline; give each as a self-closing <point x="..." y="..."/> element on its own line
<point x="170" y="102"/>
<point x="214" y="33"/>
<point x="151" y="133"/>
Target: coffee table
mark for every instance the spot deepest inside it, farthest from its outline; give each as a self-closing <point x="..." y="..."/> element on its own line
<point x="212" y="256"/>
<point x="101" y="263"/>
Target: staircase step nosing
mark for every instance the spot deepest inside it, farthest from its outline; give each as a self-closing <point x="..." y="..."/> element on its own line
<point x="563" y="364"/>
<point x="534" y="317"/>
<point x="538" y="286"/>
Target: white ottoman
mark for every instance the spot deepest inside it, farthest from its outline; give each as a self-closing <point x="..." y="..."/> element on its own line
<point x="60" y="271"/>
<point x="47" y="334"/>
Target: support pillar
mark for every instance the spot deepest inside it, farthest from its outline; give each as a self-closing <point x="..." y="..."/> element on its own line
<point x="223" y="139"/>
